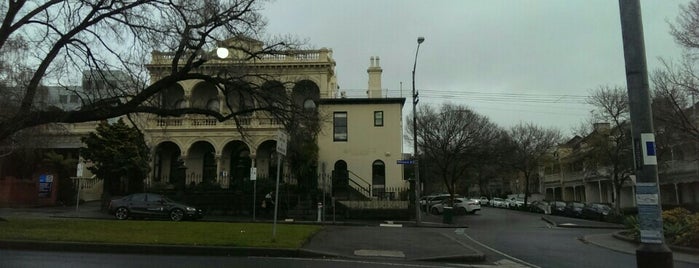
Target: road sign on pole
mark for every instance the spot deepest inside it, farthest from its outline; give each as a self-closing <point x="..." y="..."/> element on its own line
<point x="282" y="139"/>
<point x="405" y="162"/>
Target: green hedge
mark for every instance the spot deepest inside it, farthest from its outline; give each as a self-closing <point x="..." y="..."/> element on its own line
<point x="680" y="227"/>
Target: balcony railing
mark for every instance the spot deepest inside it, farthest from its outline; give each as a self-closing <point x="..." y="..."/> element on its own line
<point x="316" y="55"/>
<point x="188" y="122"/>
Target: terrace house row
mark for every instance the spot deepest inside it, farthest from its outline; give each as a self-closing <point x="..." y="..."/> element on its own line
<point x="570" y="177"/>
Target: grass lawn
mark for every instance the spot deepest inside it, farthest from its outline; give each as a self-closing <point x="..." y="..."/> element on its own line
<point x="157" y="232"/>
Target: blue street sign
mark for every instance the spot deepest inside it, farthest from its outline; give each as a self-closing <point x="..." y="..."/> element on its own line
<point x="405" y="162"/>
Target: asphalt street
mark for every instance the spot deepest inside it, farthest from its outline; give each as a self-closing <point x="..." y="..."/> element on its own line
<point x="492" y="238"/>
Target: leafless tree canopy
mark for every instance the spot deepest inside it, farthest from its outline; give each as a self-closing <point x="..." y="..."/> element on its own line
<point x="453" y="140"/>
<point x="531" y="145"/>
<point x="685" y="30"/>
<point x="676" y="84"/>
<point x="609" y="140"/>
<point x="61" y="42"/>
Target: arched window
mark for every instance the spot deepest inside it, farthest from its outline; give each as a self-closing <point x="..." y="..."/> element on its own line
<point x="378" y="177"/>
<point x="309" y="105"/>
<point x="213" y="105"/>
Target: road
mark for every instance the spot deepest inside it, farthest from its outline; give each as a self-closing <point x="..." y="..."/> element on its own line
<point x="31" y="259"/>
<point x="508" y="238"/>
<point x="526" y="239"/>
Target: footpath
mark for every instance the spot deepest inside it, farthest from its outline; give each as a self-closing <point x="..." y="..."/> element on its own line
<point x="615" y="240"/>
<point x="402" y="241"/>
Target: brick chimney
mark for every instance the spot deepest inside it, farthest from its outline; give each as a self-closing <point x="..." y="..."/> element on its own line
<point x="374" y="71"/>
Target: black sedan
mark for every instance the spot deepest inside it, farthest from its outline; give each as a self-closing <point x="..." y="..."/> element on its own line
<point x="596" y="211"/>
<point x="147" y="205"/>
<point x="573" y="209"/>
<point x="558" y="207"/>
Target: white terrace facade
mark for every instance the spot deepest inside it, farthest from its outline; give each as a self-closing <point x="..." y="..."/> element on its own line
<point x="568" y="178"/>
<point x="206" y="150"/>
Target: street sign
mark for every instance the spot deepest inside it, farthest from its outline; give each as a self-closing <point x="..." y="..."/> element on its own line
<point x="282" y="139"/>
<point x="405" y="162"/>
<point x="253" y="173"/>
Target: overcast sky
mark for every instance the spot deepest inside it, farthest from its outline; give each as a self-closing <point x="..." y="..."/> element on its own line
<point x="511" y="60"/>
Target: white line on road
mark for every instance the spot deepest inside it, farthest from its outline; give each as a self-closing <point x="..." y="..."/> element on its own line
<point x="356" y="261"/>
<point x="460" y="231"/>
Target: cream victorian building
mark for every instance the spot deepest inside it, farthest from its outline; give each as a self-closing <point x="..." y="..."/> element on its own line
<point x="360" y="138"/>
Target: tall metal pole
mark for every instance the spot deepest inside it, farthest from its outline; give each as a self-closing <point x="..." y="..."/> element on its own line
<point x="652" y="252"/>
<point x="276" y="198"/>
<point x="415" y="164"/>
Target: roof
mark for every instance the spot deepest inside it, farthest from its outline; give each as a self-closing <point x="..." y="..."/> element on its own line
<point x="400" y="101"/>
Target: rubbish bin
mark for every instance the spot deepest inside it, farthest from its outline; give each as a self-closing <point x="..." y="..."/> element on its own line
<point x="448" y="215"/>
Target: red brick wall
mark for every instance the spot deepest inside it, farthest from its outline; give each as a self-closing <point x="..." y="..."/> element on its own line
<point x="18" y="193"/>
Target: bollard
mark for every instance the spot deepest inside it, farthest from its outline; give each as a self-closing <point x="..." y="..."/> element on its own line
<point x="320" y="211"/>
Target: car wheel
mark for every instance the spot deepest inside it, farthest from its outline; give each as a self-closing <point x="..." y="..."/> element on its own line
<point x="434" y="211"/>
<point x="121" y="213"/>
<point x="176" y="214"/>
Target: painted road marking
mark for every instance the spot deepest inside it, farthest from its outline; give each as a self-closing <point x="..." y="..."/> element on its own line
<point x="460" y="231"/>
<point x="379" y="253"/>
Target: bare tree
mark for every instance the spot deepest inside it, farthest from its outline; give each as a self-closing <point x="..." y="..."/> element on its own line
<point x="675" y="87"/>
<point x="452" y="141"/>
<point x="676" y="84"/>
<point x="531" y="146"/>
<point x="610" y="153"/>
<point x="57" y="41"/>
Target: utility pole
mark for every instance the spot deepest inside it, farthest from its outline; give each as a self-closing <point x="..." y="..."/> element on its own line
<point x="652" y="252"/>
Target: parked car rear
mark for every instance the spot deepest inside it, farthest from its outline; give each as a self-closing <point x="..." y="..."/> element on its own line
<point x="540" y="207"/>
<point x="461" y="206"/>
<point x="596" y="211"/>
<point x="573" y="209"/>
<point x="483" y="201"/>
<point x="557" y="207"/>
<point x="497" y="202"/>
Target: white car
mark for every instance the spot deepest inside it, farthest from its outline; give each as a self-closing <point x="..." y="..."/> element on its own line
<point x="498" y="202"/>
<point x="461" y="206"/>
<point x="515" y="202"/>
<point x="483" y="200"/>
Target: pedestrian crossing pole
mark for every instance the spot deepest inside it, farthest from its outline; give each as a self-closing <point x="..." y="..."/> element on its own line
<point x="652" y="252"/>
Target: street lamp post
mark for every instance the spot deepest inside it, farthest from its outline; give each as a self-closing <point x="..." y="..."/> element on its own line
<point x="416" y="165"/>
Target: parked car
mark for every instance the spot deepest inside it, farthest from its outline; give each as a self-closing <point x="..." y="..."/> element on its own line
<point x="483" y="201"/>
<point x="573" y="209"/>
<point x="540" y="207"/>
<point x="148" y="205"/>
<point x="432" y="200"/>
<point x="498" y="202"/>
<point x="557" y="207"/>
<point x="596" y="211"/>
<point x="515" y="202"/>
<point x="461" y="206"/>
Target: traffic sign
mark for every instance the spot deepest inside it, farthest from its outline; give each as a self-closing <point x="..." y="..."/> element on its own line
<point x="405" y="162"/>
<point x="282" y="139"/>
<point x="253" y="173"/>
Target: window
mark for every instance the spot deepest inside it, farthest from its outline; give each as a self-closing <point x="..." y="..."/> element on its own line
<point x="378" y="118"/>
<point x="63" y="99"/>
<point x="340" y="126"/>
<point x="309" y="105"/>
<point x="73" y="98"/>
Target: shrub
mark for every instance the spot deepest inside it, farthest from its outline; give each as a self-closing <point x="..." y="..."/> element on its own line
<point x="631" y="223"/>
<point x="680" y="227"/>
